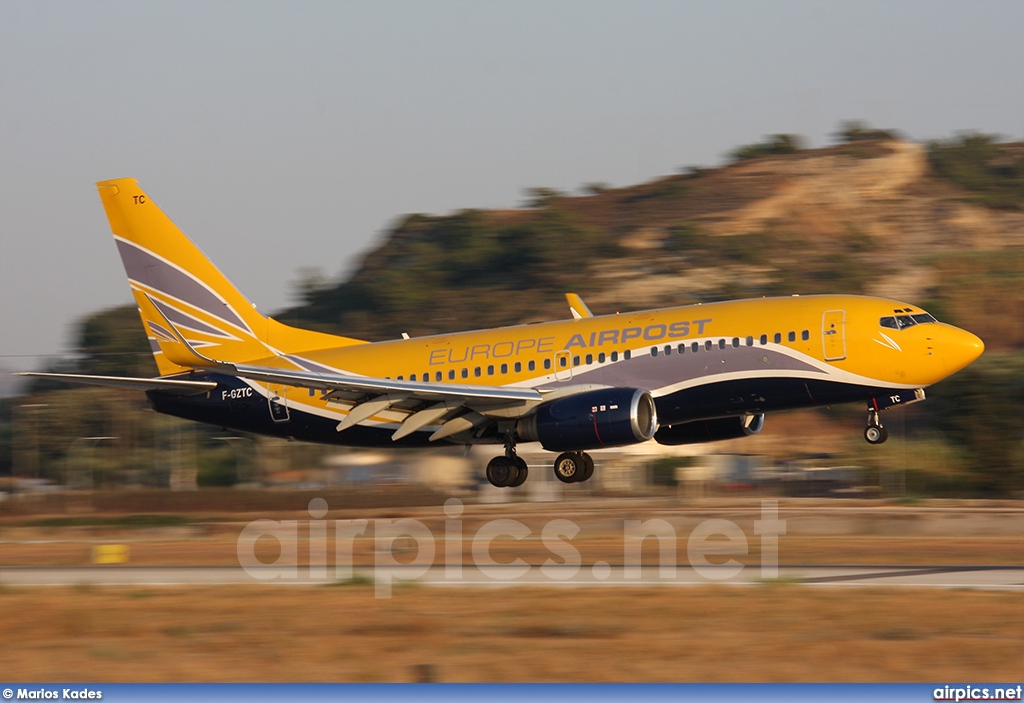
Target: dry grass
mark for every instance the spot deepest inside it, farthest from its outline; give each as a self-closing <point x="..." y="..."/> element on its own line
<point x="218" y="547"/>
<point x="818" y="532"/>
<point x="774" y="632"/>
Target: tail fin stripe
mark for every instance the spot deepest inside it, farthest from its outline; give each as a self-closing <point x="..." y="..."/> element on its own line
<point x="190" y="356"/>
<point x="183" y="319"/>
<point x="312" y="366"/>
<point x="163" y="334"/>
<point x="157" y="273"/>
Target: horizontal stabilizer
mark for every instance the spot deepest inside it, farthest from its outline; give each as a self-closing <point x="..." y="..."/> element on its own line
<point x="141" y="384"/>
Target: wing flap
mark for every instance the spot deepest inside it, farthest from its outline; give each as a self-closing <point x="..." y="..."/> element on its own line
<point x="418" y="420"/>
<point x="367" y="409"/>
<point x="463" y="423"/>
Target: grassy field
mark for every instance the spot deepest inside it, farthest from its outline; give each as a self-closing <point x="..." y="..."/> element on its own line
<point x="770" y="632"/>
<point x="221" y="550"/>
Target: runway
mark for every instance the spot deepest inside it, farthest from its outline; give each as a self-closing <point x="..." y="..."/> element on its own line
<point x="1007" y="578"/>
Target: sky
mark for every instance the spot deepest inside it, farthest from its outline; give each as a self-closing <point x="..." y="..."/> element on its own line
<point x="288" y="136"/>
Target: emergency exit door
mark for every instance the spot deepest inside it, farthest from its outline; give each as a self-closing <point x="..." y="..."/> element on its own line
<point x="833" y="334"/>
<point x="277" y="399"/>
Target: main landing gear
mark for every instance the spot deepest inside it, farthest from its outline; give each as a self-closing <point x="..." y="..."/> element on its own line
<point x="507" y="471"/>
<point x="874" y="433"/>
<point x="574" y="467"/>
<point x="510" y="471"/>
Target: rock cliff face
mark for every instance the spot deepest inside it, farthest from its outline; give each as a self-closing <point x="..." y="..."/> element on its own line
<point x="864" y="217"/>
<point x="885" y="209"/>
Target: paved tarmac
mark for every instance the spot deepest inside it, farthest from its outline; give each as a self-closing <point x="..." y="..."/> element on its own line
<point x="511" y="575"/>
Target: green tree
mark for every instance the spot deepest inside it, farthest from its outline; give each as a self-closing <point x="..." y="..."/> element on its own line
<point x="980" y="409"/>
<point x="542" y="197"/>
<point x="991" y="171"/>
<point x="859" y="131"/>
<point x="771" y="146"/>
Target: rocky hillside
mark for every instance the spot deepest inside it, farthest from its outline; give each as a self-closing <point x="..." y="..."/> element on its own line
<point x="872" y="217"/>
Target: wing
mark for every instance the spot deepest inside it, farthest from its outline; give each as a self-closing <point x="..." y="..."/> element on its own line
<point x="457" y="408"/>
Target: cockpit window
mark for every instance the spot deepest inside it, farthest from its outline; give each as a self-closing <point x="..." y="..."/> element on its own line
<point x="900" y="322"/>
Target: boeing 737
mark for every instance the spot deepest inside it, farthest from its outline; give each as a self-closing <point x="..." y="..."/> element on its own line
<point x="698" y="373"/>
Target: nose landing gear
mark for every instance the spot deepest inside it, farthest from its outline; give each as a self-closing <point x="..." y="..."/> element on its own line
<point x="874" y="433"/>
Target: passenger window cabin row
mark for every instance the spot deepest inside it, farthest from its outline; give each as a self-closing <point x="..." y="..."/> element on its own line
<point x="517" y="367"/>
<point x="563" y="359"/>
<point x="735" y="343"/>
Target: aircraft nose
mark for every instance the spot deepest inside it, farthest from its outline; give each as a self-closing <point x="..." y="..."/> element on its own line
<point x="960" y="348"/>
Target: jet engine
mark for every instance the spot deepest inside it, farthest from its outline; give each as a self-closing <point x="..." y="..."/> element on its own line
<point x="710" y="430"/>
<point x="609" y="417"/>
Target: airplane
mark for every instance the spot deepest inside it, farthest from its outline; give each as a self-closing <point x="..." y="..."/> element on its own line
<point x="681" y="375"/>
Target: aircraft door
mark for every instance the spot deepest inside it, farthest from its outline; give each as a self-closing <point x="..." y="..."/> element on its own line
<point x="563" y="366"/>
<point x="277" y="400"/>
<point x="833" y="334"/>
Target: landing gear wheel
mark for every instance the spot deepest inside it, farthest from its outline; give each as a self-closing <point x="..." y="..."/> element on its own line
<point x="502" y="472"/>
<point x="588" y="467"/>
<point x="522" y="473"/>
<point x="876" y="434"/>
<point x="569" y="467"/>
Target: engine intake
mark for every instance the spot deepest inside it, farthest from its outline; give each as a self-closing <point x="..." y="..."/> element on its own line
<point x="710" y="430"/>
<point x="609" y="417"/>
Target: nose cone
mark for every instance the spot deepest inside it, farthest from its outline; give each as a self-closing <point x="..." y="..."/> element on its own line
<point x="959" y="348"/>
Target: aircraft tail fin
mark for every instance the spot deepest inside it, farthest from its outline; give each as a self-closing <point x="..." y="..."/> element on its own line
<point x="174" y="282"/>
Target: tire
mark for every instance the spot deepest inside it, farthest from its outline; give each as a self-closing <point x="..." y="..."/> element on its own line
<point x="875" y="434"/>
<point x="522" y="473"/>
<point x="568" y="467"/>
<point x="588" y="467"/>
<point x="501" y="472"/>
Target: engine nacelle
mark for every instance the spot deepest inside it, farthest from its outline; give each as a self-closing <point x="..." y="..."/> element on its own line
<point x="609" y="417"/>
<point x="710" y="430"/>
